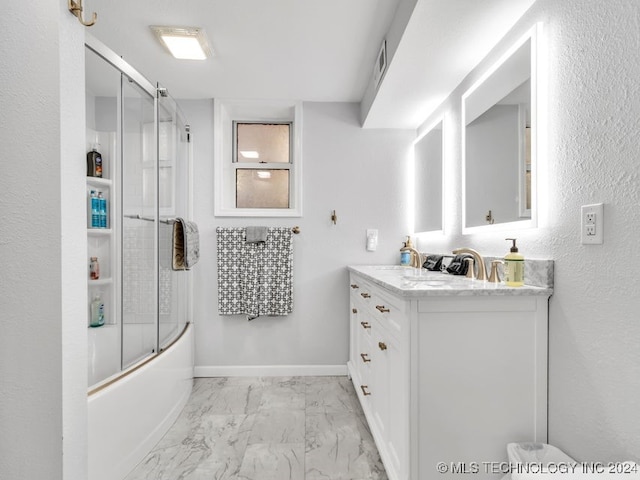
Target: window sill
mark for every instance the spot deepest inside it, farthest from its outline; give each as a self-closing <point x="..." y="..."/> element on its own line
<point x="258" y="212"/>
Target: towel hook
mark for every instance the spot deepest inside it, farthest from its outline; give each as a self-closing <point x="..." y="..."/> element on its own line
<point x="334" y="217"/>
<point x="75" y="7"/>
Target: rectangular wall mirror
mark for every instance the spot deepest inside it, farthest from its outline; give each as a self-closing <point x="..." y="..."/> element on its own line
<point x="499" y="143"/>
<point x="428" y="178"/>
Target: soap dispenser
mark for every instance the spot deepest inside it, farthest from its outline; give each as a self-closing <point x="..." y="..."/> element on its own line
<point x="513" y="266"/>
<point x="405" y="256"/>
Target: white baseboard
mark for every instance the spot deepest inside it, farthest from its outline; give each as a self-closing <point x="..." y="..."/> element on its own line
<point x="270" y="371"/>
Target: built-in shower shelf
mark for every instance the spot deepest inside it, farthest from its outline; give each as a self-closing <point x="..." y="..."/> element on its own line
<point x="106" y="326"/>
<point x="100" y="281"/>
<point x="97" y="232"/>
<point x="99" y="182"/>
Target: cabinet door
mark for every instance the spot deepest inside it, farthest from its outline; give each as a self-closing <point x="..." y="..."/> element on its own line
<point x="380" y="394"/>
<point x="390" y="397"/>
<point x="398" y="390"/>
<point x="353" y="330"/>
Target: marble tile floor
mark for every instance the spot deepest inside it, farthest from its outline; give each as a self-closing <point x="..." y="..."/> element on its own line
<point x="270" y="428"/>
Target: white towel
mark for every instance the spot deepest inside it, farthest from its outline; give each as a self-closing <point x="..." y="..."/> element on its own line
<point x="254" y="278"/>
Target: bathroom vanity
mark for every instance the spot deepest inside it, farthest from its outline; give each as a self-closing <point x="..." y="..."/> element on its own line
<point x="448" y="370"/>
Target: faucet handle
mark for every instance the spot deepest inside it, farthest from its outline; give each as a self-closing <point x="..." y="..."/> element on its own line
<point x="471" y="272"/>
<point x="494" y="276"/>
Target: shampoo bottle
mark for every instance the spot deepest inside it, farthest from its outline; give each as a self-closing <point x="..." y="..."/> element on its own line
<point x="513" y="266"/>
<point x="97" y="312"/>
<point x="94" y="162"/>
<point x="95" y="210"/>
<point x="102" y="210"/>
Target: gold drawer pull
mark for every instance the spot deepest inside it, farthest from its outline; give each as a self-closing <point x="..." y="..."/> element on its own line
<point x="365" y="324"/>
<point x="354" y="310"/>
<point x="364" y="391"/>
<point x="354" y="286"/>
<point x="382" y="309"/>
<point x="364" y="358"/>
<point x="382" y="345"/>
<point x="365" y="295"/>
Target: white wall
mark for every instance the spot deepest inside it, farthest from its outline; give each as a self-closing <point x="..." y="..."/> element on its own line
<point x="43" y="287"/>
<point x="594" y="120"/>
<point x="359" y="173"/>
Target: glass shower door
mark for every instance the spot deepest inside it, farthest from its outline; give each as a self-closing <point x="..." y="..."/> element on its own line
<point x="139" y="224"/>
<point x="173" y="201"/>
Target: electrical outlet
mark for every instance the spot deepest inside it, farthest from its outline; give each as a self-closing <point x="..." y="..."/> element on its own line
<point x="592" y="224"/>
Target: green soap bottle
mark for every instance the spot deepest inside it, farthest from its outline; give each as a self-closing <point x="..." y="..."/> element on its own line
<point x="97" y="312"/>
<point x="513" y="266"/>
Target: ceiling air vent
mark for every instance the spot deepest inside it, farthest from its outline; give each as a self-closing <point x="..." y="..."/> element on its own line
<point x="381" y="64"/>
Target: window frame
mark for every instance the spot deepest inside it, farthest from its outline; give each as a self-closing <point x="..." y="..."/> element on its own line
<point x="226" y="114"/>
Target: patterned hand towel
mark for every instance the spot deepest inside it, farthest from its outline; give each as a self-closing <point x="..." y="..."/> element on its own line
<point x="254" y="278"/>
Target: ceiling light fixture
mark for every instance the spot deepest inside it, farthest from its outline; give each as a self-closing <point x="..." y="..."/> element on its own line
<point x="185" y="43"/>
<point x="249" y="154"/>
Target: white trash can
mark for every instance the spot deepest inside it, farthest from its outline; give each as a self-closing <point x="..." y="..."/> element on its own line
<point x="538" y="454"/>
<point x="540" y="461"/>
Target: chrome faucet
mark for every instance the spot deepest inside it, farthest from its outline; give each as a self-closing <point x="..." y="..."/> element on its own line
<point x="478" y="260"/>
<point x="416" y="256"/>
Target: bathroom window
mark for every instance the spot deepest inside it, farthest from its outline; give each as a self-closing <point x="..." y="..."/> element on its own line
<point x="257" y="160"/>
<point x="262" y="161"/>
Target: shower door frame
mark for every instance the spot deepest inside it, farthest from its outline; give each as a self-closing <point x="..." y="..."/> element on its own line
<point x="104" y="52"/>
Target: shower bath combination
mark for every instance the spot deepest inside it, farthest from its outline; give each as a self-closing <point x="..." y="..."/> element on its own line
<point x="140" y="360"/>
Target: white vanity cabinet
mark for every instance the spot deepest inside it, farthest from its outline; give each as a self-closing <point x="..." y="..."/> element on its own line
<point x="448" y="375"/>
<point x="379" y="367"/>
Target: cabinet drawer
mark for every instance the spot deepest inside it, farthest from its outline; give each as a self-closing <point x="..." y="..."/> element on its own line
<point x="391" y="312"/>
<point x="361" y="290"/>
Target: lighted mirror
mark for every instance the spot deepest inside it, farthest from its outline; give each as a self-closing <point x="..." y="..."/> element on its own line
<point x="428" y="160"/>
<point x="499" y="131"/>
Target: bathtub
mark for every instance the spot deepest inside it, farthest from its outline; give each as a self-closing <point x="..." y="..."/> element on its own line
<point x="128" y="417"/>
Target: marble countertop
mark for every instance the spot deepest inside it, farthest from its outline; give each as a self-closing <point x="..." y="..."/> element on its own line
<point x="414" y="282"/>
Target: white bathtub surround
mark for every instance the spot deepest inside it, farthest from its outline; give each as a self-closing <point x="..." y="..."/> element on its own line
<point x="128" y="417"/>
<point x="277" y="428"/>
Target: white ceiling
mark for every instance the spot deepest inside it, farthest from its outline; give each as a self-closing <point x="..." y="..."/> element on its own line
<point x="315" y="50"/>
<point x="312" y="50"/>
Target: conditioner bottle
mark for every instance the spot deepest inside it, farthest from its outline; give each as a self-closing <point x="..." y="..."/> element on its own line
<point x="97" y="312"/>
<point x="513" y="266"/>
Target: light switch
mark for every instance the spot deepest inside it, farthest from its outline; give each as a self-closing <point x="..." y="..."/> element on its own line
<point x="372" y="239"/>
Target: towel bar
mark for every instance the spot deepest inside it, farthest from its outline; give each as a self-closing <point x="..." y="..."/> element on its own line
<point x="168" y="221"/>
